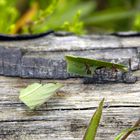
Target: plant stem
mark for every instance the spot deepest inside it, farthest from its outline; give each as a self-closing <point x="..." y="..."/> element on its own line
<point x="128" y="133"/>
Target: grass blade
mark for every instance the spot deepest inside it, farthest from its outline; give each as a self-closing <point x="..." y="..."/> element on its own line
<point x="125" y="133"/>
<point x="110" y="14"/>
<point x="94" y="123"/>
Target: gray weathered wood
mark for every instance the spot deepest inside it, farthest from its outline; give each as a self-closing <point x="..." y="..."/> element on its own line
<point x="44" y="58"/>
<point x="66" y="115"/>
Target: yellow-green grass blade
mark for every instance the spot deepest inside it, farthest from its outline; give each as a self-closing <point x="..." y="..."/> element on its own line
<point x="119" y="136"/>
<point x="94" y="123"/>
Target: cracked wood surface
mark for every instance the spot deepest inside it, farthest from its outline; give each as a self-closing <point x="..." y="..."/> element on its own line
<point x="66" y="115"/>
<point x="44" y="57"/>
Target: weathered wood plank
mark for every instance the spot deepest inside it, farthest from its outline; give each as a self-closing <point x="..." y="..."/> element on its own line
<point x="41" y="58"/>
<point x="73" y="94"/>
<point x="63" y="125"/>
<point x="66" y="115"/>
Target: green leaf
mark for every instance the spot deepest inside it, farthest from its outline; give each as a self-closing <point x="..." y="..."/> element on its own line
<point x="94" y="123"/>
<point x="86" y="67"/>
<point x="118" y="137"/>
<point x="109" y="15"/>
<point x="36" y="94"/>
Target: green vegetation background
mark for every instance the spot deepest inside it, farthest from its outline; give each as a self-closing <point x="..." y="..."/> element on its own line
<point x="78" y="16"/>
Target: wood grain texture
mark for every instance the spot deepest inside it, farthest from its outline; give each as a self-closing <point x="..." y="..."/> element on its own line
<point x="66" y="115"/>
<point x="44" y="57"/>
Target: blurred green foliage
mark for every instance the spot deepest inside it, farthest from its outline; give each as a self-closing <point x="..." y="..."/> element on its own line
<point x="78" y="16"/>
<point x="8" y="15"/>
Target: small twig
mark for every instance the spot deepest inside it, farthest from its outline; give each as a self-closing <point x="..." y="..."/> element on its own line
<point x="128" y="133"/>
